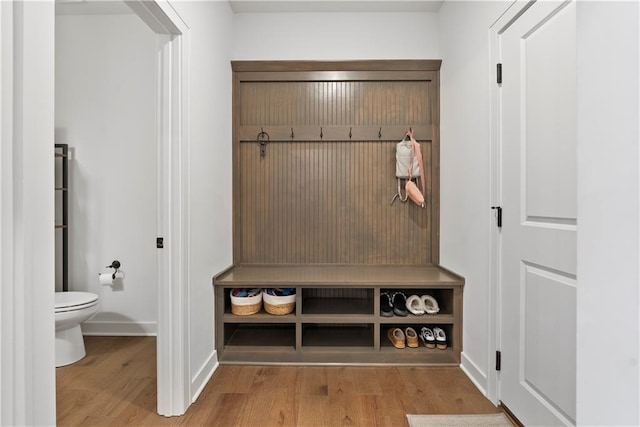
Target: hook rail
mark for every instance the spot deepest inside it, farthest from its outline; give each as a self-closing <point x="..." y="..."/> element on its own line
<point x="264" y="135"/>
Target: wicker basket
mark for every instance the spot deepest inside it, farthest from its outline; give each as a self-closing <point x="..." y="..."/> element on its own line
<point x="246" y="306"/>
<point x="279" y="305"/>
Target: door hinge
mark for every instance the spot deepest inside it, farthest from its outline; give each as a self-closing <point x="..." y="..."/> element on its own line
<point x="498" y="360"/>
<point x="499" y="73"/>
<point x="159" y="242"/>
<point x="499" y="215"/>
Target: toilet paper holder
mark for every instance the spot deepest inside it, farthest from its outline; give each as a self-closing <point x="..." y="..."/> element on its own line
<point x="115" y="264"/>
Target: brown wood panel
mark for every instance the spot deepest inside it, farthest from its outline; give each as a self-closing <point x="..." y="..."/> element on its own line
<point x="328" y="203"/>
<point x="357" y="65"/>
<point x="311" y="201"/>
<point x="347" y="103"/>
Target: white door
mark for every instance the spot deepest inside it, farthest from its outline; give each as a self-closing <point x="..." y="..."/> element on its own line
<point x="537" y="110"/>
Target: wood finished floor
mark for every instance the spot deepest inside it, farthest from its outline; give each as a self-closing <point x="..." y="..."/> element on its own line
<point x="115" y="385"/>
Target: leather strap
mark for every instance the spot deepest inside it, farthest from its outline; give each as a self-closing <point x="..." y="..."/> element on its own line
<point x="415" y="151"/>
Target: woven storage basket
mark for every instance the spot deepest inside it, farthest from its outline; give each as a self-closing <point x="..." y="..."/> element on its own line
<point x="277" y="305"/>
<point x="246" y="306"/>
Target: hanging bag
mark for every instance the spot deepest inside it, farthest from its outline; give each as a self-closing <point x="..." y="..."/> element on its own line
<point x="406" y="163"/>
<point x="408" y="166"/>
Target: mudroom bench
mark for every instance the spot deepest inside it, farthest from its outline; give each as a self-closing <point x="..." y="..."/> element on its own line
<point x="336" y="319"/>
<point x="318" y="208"/>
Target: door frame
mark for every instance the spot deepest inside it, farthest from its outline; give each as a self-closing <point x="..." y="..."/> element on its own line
<point x="173" y="337"/>
<point x="27" y="376"/>
<point x="501" y="23"/>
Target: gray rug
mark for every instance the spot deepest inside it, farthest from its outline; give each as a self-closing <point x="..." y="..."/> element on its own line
<point x="479" y="420"/>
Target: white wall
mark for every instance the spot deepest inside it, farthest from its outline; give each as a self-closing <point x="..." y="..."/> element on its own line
<point x="210" y="208"/>
<point x="466" y="220"/>
<point x="27" y="376"/>
<point x="335" y="36"/>
<point x="106" y="111"/>
<point x="608" y="353"/>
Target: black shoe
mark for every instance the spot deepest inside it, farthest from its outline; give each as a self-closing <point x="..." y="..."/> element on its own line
<point x="386" y="309"/>
<point x="399" y="302"/>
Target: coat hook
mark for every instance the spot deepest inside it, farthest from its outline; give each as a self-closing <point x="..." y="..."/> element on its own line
<point x="350" y="134"/>
<point x="263" y="140"/>
<point x="380" y="133"/>
<point x="321" y="132"/>
<point x="292" y="134"/>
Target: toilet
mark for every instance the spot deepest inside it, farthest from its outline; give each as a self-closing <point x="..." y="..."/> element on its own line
<point x="72" y="308"/>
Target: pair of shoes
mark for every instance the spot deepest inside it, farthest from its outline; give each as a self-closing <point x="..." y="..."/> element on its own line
<point x="433" y="338"/>
<point x="393" y="303"/>
<point x="400" y="338"/>
<point x="420" y="305"/>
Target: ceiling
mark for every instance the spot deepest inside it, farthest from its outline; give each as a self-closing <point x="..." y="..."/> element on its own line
<point x="284" y="6"/>
<point x="110" y="7"/>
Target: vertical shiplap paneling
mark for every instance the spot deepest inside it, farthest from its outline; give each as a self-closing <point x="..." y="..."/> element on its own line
<point x="328" y="202"/>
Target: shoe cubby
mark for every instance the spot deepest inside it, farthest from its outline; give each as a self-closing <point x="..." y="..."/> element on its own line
<point x="444" y="297"/>
<point x="337" y="335"/>
<point x="260" y="335"/>
<point x="338" y="301"/>
<point x="260" y="316"/>
<point x="337" y="315"/>
<point x="385" y="343"/>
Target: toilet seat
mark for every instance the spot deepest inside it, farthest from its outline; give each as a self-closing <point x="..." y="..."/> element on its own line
<point x="72" y="301"/>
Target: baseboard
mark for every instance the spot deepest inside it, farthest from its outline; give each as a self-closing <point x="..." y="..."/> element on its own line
<point x="475" y="374"/>
<point x="203" y="376"/>
<point x="120" y="329"/>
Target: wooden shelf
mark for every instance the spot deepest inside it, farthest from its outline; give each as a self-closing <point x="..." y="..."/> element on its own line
<point x="261" y="317"/>
<point x="335" y="320"/>
<point x="386" y="276"/>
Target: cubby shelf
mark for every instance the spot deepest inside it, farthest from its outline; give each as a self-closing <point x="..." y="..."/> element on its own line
<point x="336" y="319"/>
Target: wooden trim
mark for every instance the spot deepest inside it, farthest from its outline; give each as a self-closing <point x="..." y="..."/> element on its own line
<point x="361" y="65"/>
<point x="306" y="133"/>
<point x="509" y="414"/>
<point x="235" y="158"/>
<point x="323" y="275"/>
<point x="331" y="76"/>
<point x="434" y="204"/>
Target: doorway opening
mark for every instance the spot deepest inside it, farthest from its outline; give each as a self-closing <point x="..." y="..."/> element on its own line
<point x="170" y="198"/>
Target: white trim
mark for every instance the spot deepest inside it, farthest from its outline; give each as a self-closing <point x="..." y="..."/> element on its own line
<point x="475" y="374"/>
<point x="27" y="377"/>
<point x="495" y="174"/>
<point x="120" y="329"/>
<point x="8" y="353"/>
<point x="495" y="179"/>
<point x="203" y="376"/>
<point x="173" y="346"/>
